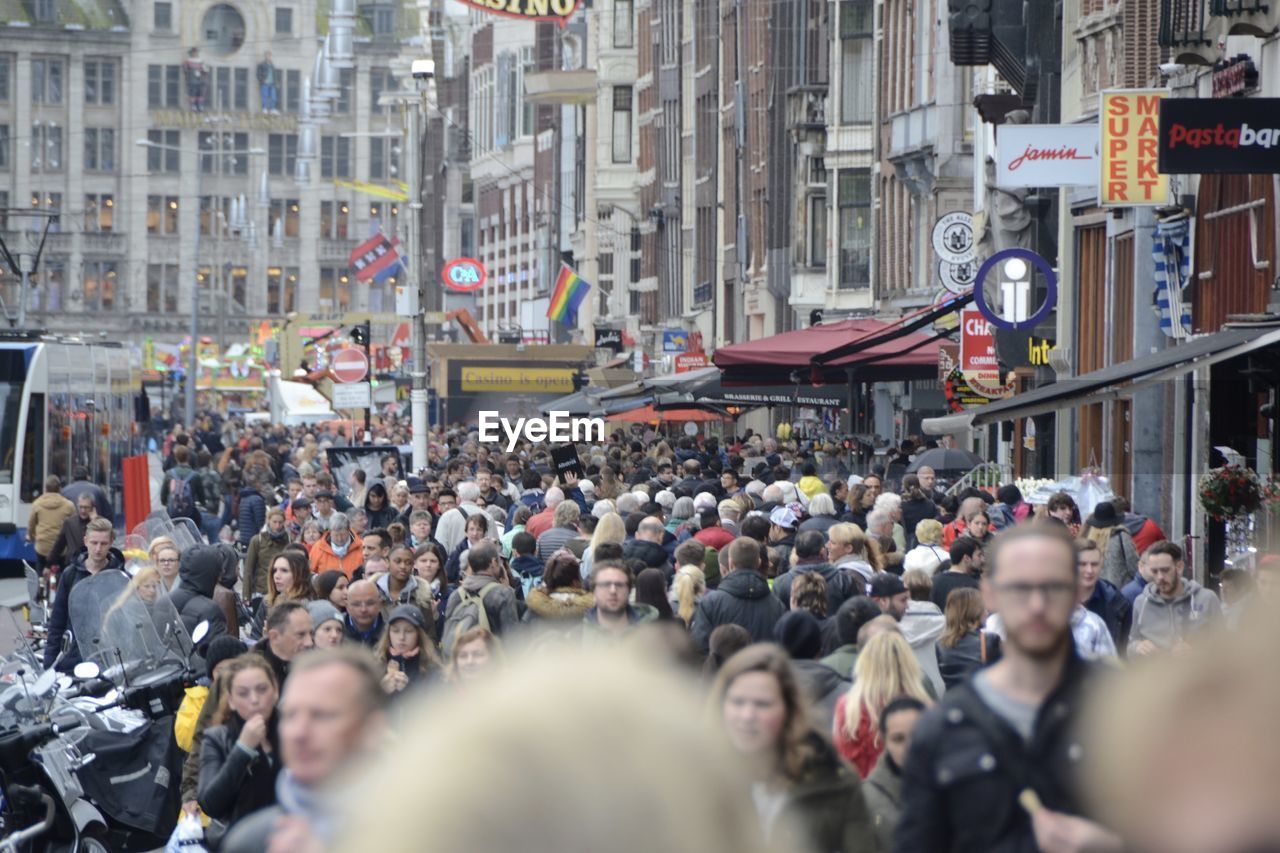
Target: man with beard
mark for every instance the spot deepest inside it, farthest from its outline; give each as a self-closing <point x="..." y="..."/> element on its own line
<point x="991" y="765"/>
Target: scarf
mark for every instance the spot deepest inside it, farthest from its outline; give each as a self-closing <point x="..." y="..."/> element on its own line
<point x="340" y="552"/>
<point x="298" y="799"/>
<point x="282" y="536"/>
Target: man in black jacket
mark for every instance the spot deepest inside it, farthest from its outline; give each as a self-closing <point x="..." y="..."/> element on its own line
<point x="71" y="538"/>
<point x="288" y="634"/>
<point x="198" y="575"/>
<point x="743" y="598"/>
<point x="647" y="547"/>
<point x="1009" y="728"/>
<point x="811" y="556"/>
<point x="97" y="556"/>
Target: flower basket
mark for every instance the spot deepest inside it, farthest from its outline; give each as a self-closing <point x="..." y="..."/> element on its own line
<point x="1231" y="491"/>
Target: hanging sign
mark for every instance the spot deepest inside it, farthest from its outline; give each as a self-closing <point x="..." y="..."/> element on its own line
<point x="1047" y="155"/>
<point x="953" y="237"/>
<point x="957" y="278"/>
<point x="1130" y="149"/>
<point x="1225" y="136"/>
<point x="555" y="11"/>
<point x="463" y="275"/>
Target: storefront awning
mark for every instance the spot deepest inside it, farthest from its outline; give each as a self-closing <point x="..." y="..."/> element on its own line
<point x="1119" y="380"/>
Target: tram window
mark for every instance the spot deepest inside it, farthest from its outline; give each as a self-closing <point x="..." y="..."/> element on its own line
<point x="59" y="434"/>
<point x="12" y="375"/>
<point x="33" y="450"/>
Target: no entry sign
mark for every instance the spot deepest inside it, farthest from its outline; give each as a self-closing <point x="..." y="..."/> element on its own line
<point x="349" y="365"/>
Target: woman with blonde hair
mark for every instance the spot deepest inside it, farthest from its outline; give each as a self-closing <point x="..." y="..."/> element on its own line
<point x="610" y="529"/>
<point x="928" y="554"/>
<point x="964" y="646"/>
<point x="687" y="590"/>
<point x="886" y="669"/>
<point x="805" y="796"/>
<point x="609" y="486"/>
<point x="1106" y="528"/>
<point x="474" y="653"/>
<point x="167" y="559"/>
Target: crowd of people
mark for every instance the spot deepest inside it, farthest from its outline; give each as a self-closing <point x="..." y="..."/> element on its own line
<point x="895" y="666"/>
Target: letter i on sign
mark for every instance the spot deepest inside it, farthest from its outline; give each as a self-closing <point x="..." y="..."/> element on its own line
<point x="1015" y="288"/>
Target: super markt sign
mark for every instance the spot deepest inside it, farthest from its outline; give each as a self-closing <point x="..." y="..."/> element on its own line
<point x="556" y="11"/>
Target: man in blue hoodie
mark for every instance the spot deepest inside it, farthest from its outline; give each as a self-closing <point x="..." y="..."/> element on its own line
<point x="524" y="559"/>
<point x="96" y="556"/>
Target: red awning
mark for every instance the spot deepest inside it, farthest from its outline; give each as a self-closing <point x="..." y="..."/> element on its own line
<point x="907" y="356"/>
<point x="648" y="414"/>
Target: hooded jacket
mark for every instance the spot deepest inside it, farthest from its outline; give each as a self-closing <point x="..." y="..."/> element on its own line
<point x="499" y="603"/>
<point x="383" y="515"/>
<point x="922" y="625"/>
<point x="743" y="598"/>
<point x="825" y="809"/>
<point x="883" y="792"/>
<point x="324" y="558"/>
<point x="192" y="597"/>
<point x="563" y="605"/>
<point x="653" y="555"/>
<point x="59" y="616"/>
<point x="1165" y="622"/>
<point x="48" y="512"/>
<point x="252" y="515"/>
<point x="841" y="585"/>
<point x="263" y="550"/>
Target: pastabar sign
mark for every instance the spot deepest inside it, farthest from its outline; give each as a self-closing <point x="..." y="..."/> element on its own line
<point x="1239" y="136"/>
<point x="1047" y="155"/>
<point x="1130" y="138"/>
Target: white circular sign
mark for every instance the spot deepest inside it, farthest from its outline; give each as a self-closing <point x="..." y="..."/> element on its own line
<point x="958" y="278"/>
<point x="953" y="237"/>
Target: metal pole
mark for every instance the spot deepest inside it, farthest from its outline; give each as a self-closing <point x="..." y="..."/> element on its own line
<point x="24" y="261"/>
<point x="418" y="390"/>
<point x="193" y="361"/>
<point x="368" y="357"/>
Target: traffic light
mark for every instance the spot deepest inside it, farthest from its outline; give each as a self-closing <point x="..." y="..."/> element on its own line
<point x="361" y="334"/>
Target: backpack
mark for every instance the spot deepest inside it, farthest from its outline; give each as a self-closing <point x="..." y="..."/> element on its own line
<point x="182" y="502"/>
<point x="468" y="613"/>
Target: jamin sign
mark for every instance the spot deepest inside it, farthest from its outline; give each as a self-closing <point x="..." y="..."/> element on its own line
<point x="1131" y="149"/>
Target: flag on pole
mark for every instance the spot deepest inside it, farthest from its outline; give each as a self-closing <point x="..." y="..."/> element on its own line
<point x="376" y="258"/>
<point x="568" y="294"/>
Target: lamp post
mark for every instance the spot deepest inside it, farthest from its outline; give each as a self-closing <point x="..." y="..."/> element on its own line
<point x="193" y="362"/>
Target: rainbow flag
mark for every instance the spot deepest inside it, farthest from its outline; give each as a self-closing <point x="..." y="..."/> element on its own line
<point x="568" y="294"/>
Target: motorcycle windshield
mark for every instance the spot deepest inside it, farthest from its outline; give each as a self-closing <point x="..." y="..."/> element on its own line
<point x="15" y="646"/>
<point x="126" y="628"/>
<point x="183" y="532"/>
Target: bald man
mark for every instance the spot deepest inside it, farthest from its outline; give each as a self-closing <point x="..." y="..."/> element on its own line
<point x="648" y="546"/>
<point x="363" y="623"/>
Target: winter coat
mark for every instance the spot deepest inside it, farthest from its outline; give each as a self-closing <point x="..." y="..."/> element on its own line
<point x="864" y="746"/>
<point x="263" y="550"/>
<point x="922" y="625"/>
<point x="234" y="783"/>
<point x="553" y="540"/>
<point x="69" y="542"/>
<point x="637" y="614"/>
<point x="913" y="512"/>
<point x="179" y="473"/>
<point x="59" y="616"/>
<point x="825" y="809"/>
<point x="743" y="598"/>
<point x="841" y="585"/>
<point x="1166" y="622"/>
<point x="714" y="537"/>
<point x="958" y="796"/>
<point x="883" y="792"/>
<point x="653" y="555"/>
<point x="252" y="515"/>
<point x="499" y="603"/>
<point x="566" y="606"/>
<point x="1120" y="558"/>
<point x="956" y="662"/>
<point x="323" y="557"/>
<point x="414" y="592"/>
<point x="529" y="568"/>
<point x="820" y="523"/>
<point x="48" y="513"/>
<point x="383" y="515"/>
<point x="193" y="596"/>
<point x="1114" y="610"/>
<point x="822" y="686"/>
<point x="841" y="660"/>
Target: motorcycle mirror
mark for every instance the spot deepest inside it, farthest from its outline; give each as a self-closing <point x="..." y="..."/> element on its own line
<point x="86" y="670"/>
<point x="45" y="682"/>
<point x="67" y="640"/>
<point x="201" y="631"/>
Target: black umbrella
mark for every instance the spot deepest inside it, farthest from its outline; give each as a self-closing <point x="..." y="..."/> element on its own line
<point x="946" y="459"/>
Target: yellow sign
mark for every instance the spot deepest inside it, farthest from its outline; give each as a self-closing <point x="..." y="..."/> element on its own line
<point x="1130" y="149"/>
<point x="375" y="190"/>
<point x="517" y="380"/>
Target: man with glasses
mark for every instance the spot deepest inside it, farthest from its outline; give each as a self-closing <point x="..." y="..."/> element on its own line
<point x="991" y="765"/>
<point x="613" y="614"/>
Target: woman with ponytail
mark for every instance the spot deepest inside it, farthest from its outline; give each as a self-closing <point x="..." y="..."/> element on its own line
<point x="687" y="590"/>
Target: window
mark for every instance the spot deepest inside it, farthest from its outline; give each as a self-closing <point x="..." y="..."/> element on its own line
<point x="623" y="26"/>
<point x="282" y="289"/>
<point x="162" y="214"/>
<point x="855" y="228"/>
<point x="622" y="124"/>
<point x="99" y="149"/>
<point x="284" y="21"/>
<point x="4" y="148"/>
<point x="100" y="82"/>
<point x="381" y="20"/>
<point x="222" y="89"/>
<point x="99" y="285"/>
<point x="334" y="218"/>
<point x="46" y="11"/>
<point x="383" y="216"/>
<point x="46" y="80"/>
<point x="241" y="89"/>
<point x="282" y="153"/>
<point x="292" y="90"/>
<point x="335" y="157"/>
<point x="46" y="147"/>
<point x="49" y="203"/>
<point x="346" y="82"/>
<point x="284" y="213"/>
<point x="384" y="158"/>
<point x="162" y="288"/>
<point x="4" y="80"/>
<point x="223" y="153"/>
<point x="163" y="86"/>
<point x="856" y="57"/>
<point x="163" y="153"/>
<point x="223" y="30"/>
<point x="162" y="16"/>
<point x="99" y="212"/>
<point x="817" y="250"/>
<point x="380" y="80"/>
<point x="335" y="290"/>
<point x="48" y="286"/>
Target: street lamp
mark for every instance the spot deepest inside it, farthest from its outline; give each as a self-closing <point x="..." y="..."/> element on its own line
<point x="193" y="362"/>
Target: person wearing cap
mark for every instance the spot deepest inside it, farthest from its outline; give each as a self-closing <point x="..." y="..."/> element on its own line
<point x="324" y="510"/>
<point x="742" y="598"/>
<point x="299" y="515"/>
<point x="326" y="621"/>
<point x="406" y="650"/>
<point x="1119" y="553"/>
<point x="890" y="593"/>
<point x="783" y="521"/>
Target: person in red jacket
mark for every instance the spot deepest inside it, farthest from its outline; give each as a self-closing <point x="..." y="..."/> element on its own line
<point x="712" y="534"/>
<point x="1144" y="531"/>
<point x="886" y="669"/>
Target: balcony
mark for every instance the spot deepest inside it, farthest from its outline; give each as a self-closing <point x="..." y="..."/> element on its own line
<point x="807" y="108"/>
<point x="913" y="129"/>
<point x="1198" y="24"/>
